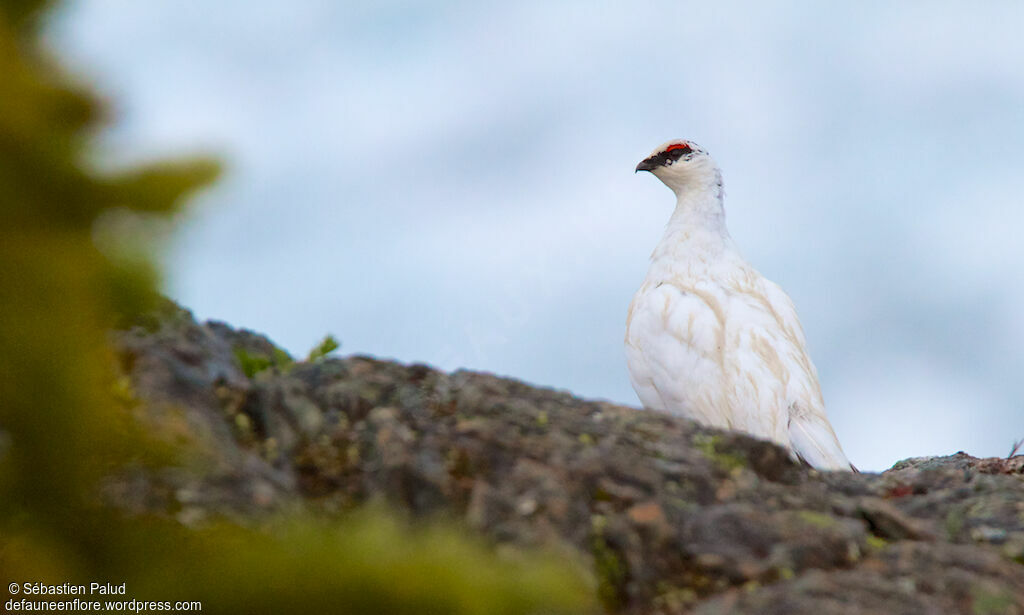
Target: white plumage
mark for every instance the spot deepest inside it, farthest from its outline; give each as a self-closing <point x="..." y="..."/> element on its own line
<point x="709" y="338"/>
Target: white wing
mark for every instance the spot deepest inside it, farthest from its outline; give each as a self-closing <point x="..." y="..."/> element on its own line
<point x="810" y="434"/>
<point x="673" y="352"/>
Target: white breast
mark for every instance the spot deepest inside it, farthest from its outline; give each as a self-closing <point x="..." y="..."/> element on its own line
<point x="723" y="346"/>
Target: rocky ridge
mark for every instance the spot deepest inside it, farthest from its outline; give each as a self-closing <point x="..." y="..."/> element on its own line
<point x="669" y="516"/>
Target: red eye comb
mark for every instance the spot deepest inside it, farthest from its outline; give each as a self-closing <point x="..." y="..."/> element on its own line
<point x="676" y="146"/>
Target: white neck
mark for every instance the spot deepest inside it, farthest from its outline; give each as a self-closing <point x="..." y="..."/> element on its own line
<point x="698" y="222"/>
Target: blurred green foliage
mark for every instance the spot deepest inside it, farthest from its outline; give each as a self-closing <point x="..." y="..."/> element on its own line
<point x="326" y="346"/>
<point x="62" y="427"/>
<point x="250" y="363"/>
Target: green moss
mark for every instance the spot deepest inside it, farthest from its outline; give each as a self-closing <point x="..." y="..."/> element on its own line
<point x="586" y="439"/>
<point x="123" y="391"/>
<point x="817" y="519"/>
<point x="542" y="418"/>
<point x="672" y="599"/>
<point x="990" y="601"/>
<point x="609" y="569"/>
<point x="876" y="543"/>
<point x="954" y="523"/>
<point x="243" y="423"/>
<point x="728" y="461"/>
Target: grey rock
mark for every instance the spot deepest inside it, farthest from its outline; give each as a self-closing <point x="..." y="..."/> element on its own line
<point x="672" y="517"/>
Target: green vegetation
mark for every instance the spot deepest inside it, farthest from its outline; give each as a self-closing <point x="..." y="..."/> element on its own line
<point x="672" y="599"/>
<point x="727" y="461"/>
<point x="324" y="348"/>
<point x="876" y="543"/>
<point x="817" y="519"/>
<point x="252" y="364"/>
<point x="992" y="601"/>
<point x="954" y="523"/>
<point x="66" y="420"/>
<point x="609" y="567"/>
<point x="282" y="359"/>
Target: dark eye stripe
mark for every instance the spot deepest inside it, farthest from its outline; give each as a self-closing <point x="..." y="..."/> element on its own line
<point x="668" y="156"/>
<point x="671" y="154"/>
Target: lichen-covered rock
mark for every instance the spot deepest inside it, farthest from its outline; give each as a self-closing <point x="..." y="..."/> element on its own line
<point x="672" y="517"/>
<point x="907" y="577"/>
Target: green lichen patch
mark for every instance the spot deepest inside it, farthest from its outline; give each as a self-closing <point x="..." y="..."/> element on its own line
<point x="817" y="519"/>
<point x="609" y="569"/>
<point x="992" y="601"/>
<point x="954" y="522"/>
<point x="727" y="461"/>
<point x="542" y="418"/>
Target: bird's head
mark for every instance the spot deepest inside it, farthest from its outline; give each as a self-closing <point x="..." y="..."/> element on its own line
<point x="682" y="165"/>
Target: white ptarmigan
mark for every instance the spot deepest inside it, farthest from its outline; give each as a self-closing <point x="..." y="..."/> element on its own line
<point x="709" y="338"/>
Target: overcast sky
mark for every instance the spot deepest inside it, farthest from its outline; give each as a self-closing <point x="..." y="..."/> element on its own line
<point x="452" y="183"/>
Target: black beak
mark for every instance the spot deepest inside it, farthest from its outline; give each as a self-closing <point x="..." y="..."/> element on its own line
<point x="649" y="164"/>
